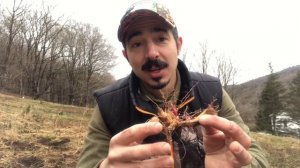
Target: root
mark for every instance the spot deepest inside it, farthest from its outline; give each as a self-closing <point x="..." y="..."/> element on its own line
<point x="194" y="121"/>
<point x="171" y="120"/>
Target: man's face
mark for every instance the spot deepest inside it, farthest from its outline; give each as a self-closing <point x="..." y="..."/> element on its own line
<point x="152" y="52"/>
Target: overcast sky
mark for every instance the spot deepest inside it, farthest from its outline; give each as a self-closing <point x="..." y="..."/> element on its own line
<point x="251" y="32"/>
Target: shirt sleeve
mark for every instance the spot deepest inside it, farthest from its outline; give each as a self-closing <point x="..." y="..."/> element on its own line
<point x="96" y="143"/>
<point x="229" y="112"/>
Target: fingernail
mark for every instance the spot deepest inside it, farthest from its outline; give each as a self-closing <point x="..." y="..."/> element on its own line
<point x="202" y="118"/>
<point x="157" y="125"/>
<point x="238" y="150"/>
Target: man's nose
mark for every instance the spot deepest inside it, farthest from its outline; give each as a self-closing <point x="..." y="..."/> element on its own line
<point x="151" y="51"/>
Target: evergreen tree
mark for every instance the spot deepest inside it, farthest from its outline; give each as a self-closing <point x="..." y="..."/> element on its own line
<point x="270" y="103"/>
<point x="293" y="98"/>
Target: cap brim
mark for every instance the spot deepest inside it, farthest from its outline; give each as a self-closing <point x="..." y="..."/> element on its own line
<point x="135" y="17"/>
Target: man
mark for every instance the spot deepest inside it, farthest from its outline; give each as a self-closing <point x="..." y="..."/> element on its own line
<point x="119" y="134"/>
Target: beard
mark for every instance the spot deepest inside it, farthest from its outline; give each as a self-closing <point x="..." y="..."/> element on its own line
<point x="153" y="65"/>
<point x="159" y="84"/>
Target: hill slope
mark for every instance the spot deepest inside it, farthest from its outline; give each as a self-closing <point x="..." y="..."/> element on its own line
<point x="41" y="134"/>
<point x="248" y="94"/>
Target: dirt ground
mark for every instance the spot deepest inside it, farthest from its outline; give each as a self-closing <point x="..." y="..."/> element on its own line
<point x="37" y="134"/>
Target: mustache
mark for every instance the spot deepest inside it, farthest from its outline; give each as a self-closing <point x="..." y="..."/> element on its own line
<point x="154" y="64"/>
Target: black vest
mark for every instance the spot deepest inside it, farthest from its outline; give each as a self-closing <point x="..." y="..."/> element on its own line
<point x="117" y="102"/>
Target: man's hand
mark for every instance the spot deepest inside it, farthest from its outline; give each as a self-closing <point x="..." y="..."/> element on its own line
<point x="225" y="143"/>
<point x="126" y="149"/>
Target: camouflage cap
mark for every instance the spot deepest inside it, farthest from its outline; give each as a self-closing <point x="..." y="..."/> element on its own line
<point x="137" y="9"/>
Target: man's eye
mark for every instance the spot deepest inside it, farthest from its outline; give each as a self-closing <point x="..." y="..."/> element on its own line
<point x="161" y="39"/>
<point x="135" y="45"/>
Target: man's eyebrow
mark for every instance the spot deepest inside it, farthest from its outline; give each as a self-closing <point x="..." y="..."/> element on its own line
<point x="159" y="29"/>
<point x="136" y="33"/>
<point x="155" y="30"/>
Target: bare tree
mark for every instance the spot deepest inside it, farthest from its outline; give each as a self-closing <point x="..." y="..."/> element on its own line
<point x="55" y="66"/>
<point x="71" y="56"/>
<point x="40" y="32"/>
<point x="226" y="71"/>
<point x="98" y="58"/>
<point x="224" y="68"/>
<point x="200" y="59"/>
<point x="206" y="54"/>
<point x="87" y="53"/>
<point x="12" y="23"/>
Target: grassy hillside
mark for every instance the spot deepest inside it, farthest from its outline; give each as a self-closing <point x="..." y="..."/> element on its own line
<point x="41" y="134"/>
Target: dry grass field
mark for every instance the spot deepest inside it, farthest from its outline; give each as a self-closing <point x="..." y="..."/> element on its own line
<point x="282" y="152"/>
<point x="40" y="134"/>
<point x="35" y="134"/>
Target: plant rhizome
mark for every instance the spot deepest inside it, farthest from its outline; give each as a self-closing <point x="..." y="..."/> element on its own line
<point x="171" y="119"/>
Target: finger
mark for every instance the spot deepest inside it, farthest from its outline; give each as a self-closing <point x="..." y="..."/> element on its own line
<point x="242" y="156"/>
<point x="159" y="162"/>
<point x="209" y="131"/>
<point x="136" y="133"/>
<point x="164" y="162"/>
<point x="213" y="142"/>
<point x="140" y="152"/>
<point x="229" y="128"/>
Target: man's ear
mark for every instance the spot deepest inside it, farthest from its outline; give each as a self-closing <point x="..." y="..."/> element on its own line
<point x="179" y="42"/>
<point x="125" y="54"/>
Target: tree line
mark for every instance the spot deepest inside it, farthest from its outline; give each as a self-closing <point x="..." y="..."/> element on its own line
<point x="51" y="58"/>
